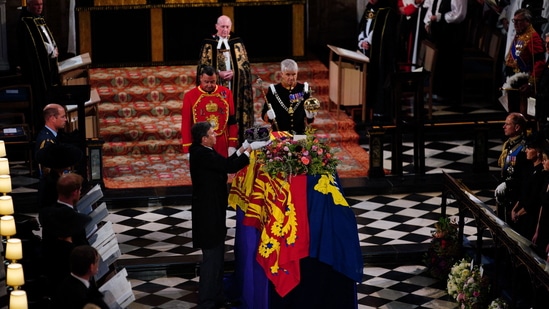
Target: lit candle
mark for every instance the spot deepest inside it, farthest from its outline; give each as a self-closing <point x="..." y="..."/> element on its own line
<point x="7" y="226"/>
<point x="4" y="166"/>
<point x="5" y="184"/>
<point x="14" y="249"/>
<point x="2" y="149"/>
<point x="14" y="275"/>
<point x="18" y="300"/>
<point x="6" y="205"/>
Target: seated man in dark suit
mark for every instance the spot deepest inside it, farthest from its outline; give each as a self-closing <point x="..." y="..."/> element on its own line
<point x="68" y="190"/>
<point x="79" y="288"/>
<point x="55" y="252"/>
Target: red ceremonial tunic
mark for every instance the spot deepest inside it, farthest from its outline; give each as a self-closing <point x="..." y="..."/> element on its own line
<point x="218" y="109"/>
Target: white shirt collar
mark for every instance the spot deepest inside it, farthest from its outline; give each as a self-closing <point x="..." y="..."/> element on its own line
<point x="224" y="41"/>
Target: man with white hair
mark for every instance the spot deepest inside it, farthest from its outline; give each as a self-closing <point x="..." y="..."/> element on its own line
<point x="226" y="53"/>
<point x="285" y="101"/>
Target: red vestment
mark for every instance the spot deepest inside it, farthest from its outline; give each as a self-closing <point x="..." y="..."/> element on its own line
<point x="218" y="109"/>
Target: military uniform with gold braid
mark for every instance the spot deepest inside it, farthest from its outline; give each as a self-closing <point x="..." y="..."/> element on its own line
<point x="512" y="162"/>
<point x="216" y="108"/>
<point x="526" y="54"/>
<point x="289" y="107"/>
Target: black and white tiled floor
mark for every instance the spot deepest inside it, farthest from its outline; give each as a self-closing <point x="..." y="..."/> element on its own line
<point x="392" y="220"/>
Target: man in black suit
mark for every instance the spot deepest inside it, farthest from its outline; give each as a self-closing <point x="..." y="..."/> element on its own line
<point x="69" y="187"/>
<point x="209" y="172"/>
<point x="79" y="289"/>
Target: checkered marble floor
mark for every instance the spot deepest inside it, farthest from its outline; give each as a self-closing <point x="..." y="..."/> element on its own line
<point x="399" y="287"/>
<point x="448" y="156"/>
<point x="382" y="220"/>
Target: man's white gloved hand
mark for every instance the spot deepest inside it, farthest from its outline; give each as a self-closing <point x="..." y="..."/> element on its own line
<point x="499" y="193"/>
<point x="271" y="114"/>
<point x="310" y="114"/>
<point x="245" y="145"/>
<point x="500" y="189"/>
<point x="231" y="151"/>
<point x="257" y="145"/>
<point x="186" y="156"/>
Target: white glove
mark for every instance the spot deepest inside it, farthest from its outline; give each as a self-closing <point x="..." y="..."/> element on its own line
<point x="246" y="145"/>
<point x="231" y="151"/>
<point x="271" y="114"/>
<point x="186" y="156"/>
<point x="310" y="114"/>
<point x="257" y="145"/>
<point x="499" y="193"/>
<point x="500" y="190"/>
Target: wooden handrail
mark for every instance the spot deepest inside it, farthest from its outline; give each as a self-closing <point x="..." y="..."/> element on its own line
<point x="519" y="248"/>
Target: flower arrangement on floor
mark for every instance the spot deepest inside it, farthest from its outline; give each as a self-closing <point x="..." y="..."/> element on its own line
<point x="289" y="157"/>
<point x="467" y="285"/>
<point x="498" y="303"/>
<point x="444" y="249"/>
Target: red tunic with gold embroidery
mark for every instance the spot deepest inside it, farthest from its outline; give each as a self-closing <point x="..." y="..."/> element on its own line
<point x="218" y="109"/>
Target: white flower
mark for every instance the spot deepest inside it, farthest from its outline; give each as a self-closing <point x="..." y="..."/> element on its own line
<point x="498" y="303"/>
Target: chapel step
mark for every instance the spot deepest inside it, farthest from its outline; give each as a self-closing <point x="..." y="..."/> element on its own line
<point x="140" y="108"/>
<point x="145" y="127"/>
<point x="143" y="147"/>
<point x="146" y="94"/>
<point x="142" y="76"/>
<point x="186" y="75"/>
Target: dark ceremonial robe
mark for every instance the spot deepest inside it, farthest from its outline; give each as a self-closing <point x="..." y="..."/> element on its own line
<point x="542" y="95"/>
<point x="72" y="293"/>
<point x="447" y="35"/>
<point x="382" y="61"/>
<point x="218" y="109"/>
<point x="241" y="84"/>
<point x="366" y="25"/>
<point x="210" y="194"/>
<point x="288" y="107"/>
<point x="37" y="66"/>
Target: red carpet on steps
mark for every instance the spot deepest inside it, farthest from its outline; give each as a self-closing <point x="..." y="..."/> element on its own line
<point x="140" y="118"/>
